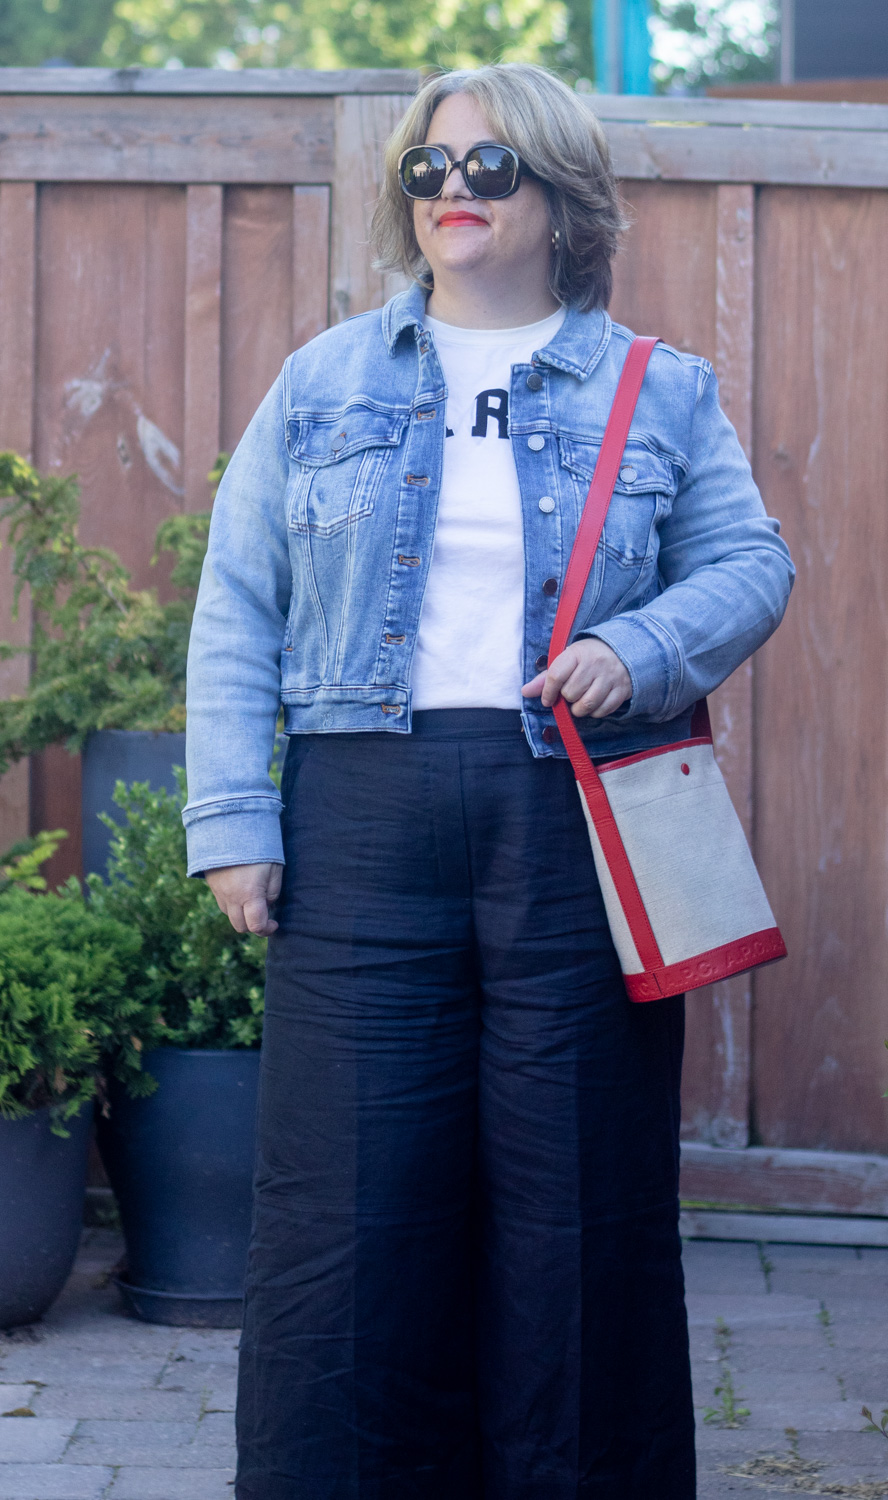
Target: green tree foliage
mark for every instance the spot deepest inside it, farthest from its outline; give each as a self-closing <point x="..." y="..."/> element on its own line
<point x="34" y="31"/>
<point x="311" y="34"/>
<point x="103" y="655"/>
<point x="20" y="865"/>
<point x="204" y="980"/>
<point x="697" y="43"/>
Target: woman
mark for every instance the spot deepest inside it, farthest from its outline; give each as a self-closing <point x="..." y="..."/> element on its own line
<point x="465" y="1276"/>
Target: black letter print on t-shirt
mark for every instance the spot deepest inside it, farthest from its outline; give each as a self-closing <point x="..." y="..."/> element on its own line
<point x="484" y="409"/>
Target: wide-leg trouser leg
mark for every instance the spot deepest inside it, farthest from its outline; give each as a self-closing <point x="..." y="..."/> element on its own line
<point x="583" y="1374"/>
<point x="464" y="1279"/>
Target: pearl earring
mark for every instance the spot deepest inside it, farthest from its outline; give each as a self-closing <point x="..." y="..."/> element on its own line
<point x="556" y="239"/>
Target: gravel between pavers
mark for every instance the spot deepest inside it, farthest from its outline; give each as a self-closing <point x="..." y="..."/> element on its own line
<point x="796" y="1336"/>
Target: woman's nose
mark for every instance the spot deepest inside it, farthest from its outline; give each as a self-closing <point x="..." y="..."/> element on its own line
<point x="455" y="184"/>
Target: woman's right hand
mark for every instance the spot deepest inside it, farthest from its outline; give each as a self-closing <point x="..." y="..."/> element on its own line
<point x="244" y="893"/>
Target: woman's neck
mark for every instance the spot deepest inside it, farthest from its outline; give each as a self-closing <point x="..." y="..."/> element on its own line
<point x="472" y="305"/>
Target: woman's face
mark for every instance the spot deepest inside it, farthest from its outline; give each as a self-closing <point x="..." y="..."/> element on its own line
<point x="478" y="237"/>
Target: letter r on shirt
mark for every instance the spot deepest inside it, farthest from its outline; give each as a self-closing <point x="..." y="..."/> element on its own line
<point x="491" y="404"/>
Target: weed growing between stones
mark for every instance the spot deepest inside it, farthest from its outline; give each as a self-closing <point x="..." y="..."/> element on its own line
<point x="728" y="1413"/>
<point x="872" y="1425"/>
<point x="766" y="1264"/>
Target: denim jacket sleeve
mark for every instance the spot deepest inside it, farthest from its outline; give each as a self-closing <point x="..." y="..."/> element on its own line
<point x="234" y="656"/>
<point x="727" y="576"/>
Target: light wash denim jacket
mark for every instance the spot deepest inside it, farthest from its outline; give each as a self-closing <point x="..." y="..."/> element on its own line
<point x="323" y="530"/>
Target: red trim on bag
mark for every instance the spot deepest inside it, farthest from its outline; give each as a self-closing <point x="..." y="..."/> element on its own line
<point x="612" y="846"/>
<point x="631" y="760"/>
<point x="764" y="947"/>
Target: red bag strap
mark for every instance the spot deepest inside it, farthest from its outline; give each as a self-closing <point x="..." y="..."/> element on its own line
<point x="600" y="491"/>
<point x="578" y="569"/>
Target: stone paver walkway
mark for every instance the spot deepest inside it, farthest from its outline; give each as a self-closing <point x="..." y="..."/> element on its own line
<point x="794" y="1338"/>
<point x="121" y="1409"/>
<point x="797" y="1336"/>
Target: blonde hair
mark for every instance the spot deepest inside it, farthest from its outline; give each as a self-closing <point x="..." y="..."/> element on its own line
<point x="555" y="132"/>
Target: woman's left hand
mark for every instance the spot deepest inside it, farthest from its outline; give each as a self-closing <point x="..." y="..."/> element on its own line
<point x="588" y="675"/>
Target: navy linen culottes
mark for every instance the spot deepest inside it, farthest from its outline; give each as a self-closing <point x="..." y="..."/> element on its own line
<point x="465" y="1277"/>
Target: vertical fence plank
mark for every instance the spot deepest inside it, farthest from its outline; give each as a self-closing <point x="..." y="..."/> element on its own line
<point x="257" y="291"/>
<point x="363" y="123"/>
<point x="311" y="263"/>
<point x="18" y="234"/>
<point x="203" y="316"/>
<point x="821" y="445"/>
<point x="731" y="705"/>
<point x="18" y="228"/>
<point x="734" y="304"/>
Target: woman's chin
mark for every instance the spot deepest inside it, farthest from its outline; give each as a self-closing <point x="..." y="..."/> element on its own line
<point x="464" y="260"/>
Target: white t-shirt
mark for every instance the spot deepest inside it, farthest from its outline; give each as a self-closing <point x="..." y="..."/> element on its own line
<point x="471" y="632"/>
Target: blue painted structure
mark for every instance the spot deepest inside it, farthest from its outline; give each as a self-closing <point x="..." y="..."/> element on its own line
<point x="621" y="40"/>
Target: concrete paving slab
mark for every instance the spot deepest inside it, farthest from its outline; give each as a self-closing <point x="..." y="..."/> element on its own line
<point x="107" y="1403"/>
<point x="52" y="1482"/>
<point x="12" y="1397"/>
<point x="53" y="1366"/>
<point x="221" y="1398"/>
<point x="711" y="1266"/>
<point x="141" y="1443"/>
<point x="193" y="1376"/>
<point x="215" y="1430"/>
<point x="746" y="1310"/>
<point x="168" y="1484"/>
<point x="206" y="1346"/>
<point x="33" y="1440"/>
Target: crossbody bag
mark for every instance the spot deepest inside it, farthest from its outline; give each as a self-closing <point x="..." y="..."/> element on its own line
<point x="684" y="900"/>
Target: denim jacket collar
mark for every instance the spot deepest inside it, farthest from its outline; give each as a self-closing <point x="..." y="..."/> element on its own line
<point x="576" y="348"/>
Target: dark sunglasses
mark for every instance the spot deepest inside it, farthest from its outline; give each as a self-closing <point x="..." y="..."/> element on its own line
<point x="488" y="171"/>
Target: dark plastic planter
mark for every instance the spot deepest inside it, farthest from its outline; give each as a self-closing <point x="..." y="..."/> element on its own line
<point x="112" y="755"/>
<point x="42" y="1187"/>
<point x="181" y="1165"/>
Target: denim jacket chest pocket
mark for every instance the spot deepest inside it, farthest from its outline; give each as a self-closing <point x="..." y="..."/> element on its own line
<point x="624" y="575"/>
<point x="337" y="465"/>
<point x="643" y="494"/>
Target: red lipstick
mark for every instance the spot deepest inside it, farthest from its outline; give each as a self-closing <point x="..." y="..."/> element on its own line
<point x="461" y="216"/>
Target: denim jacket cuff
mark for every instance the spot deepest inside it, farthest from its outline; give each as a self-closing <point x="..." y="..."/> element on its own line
<point x="651" y="658"/>
<point x="233" y="831"/>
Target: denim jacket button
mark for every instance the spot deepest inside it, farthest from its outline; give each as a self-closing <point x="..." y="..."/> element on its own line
<point x="550" y="587"/>
<point x="338" y="442"/>
<point x="541" y="663"/>
<point x="546" y="504"/>
<point x="549" y="735"/>
<point x="628" y="473"/>
<point x="536" y="441"/>
<point x="534" y="381"/>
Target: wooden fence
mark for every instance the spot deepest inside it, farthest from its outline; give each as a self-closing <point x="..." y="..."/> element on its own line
<point x="167" y="238"/>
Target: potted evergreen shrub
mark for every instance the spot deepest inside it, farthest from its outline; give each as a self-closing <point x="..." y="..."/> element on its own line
<point x="180" y="1162"/>
<point x="69" y="989"/>
<point x="107" y="660"/>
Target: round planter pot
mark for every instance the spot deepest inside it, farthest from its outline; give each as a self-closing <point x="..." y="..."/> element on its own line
<point x="42" y="1187"/>
<point x="112" y="755"/>
<point x="181" y="1165"/>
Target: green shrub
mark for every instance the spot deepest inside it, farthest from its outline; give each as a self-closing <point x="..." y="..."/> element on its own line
<point x="103" y="655"/>
<point x="204" y="981"/>
<point x="70" y="993"/>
